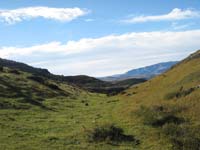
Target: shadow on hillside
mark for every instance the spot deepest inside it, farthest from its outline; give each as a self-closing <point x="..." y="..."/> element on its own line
<point x="16" y="92"/>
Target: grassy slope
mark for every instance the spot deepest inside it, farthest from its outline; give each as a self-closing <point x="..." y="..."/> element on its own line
<point x="155" y="93"/>
<point x="20" y="86"/>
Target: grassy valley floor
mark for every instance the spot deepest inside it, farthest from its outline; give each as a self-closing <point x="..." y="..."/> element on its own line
<point x="65" y="126"/>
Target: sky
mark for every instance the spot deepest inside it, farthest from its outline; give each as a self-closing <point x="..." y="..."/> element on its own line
<point x="98" y="37"/>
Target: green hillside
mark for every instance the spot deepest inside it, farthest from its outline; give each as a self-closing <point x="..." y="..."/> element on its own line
<point x="39" y="112"/>
<point x="28" y="89"/>
<point x="165" y="110"/>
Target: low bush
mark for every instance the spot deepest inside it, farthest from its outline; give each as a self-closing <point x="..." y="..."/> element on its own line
<point x="110" y="133"/>
<point x="183" y="137"/>
<point x="171" y="95"/>
<point x="165" y="119"/>
<point x="158" y="116"/>
<point x="180" y="93"/>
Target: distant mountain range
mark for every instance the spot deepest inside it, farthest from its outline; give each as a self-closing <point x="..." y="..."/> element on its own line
<point x="144" y="72"/>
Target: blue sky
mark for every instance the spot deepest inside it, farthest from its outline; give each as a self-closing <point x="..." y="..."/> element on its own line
<point x="98" y="37"/>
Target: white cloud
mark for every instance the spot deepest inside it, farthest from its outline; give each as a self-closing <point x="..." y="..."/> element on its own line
<point x="60" y="14"/>
<point x="175" y="14"/>
<point x="109" y="54"/>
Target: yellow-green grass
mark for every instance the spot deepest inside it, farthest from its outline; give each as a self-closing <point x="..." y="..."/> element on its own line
<point x="154" y="93"/>
<point x="66" y="126"/>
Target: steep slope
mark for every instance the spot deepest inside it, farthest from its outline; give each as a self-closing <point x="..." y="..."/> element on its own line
<point x="167" y="107"/>
<point x="144" y="72"/>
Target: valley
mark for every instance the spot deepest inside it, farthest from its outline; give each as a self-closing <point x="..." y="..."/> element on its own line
<point x="40" y="110"/>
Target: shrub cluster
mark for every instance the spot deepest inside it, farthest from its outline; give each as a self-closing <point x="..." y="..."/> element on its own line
<point x="182" y="135"/>
<point x="158" y="116"/>
<point x="110" y="133"/>
<point x="180" y="93"/>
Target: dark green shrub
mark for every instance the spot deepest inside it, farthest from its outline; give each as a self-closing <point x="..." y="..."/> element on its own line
<point x="110" y="133"/>
<point x="180" y="93"/>
<point x="183" y="137"/>
<point x="158" y="116"/>
<point x="171" y="95"/>
<point x="165" y="119"/>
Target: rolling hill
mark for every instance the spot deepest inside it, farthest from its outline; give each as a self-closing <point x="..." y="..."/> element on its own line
<point x="29" y="89"/>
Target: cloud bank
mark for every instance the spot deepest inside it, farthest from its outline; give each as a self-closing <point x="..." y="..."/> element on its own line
<point x="175" y="14"/>
<point x="107" y="55"/>
<point x="59" y="14"/>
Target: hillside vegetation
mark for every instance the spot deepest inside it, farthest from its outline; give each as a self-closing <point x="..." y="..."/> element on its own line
<point x="40" y="112"/>
<point x="29" y="89"/>
<point x="165" y="110"/>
